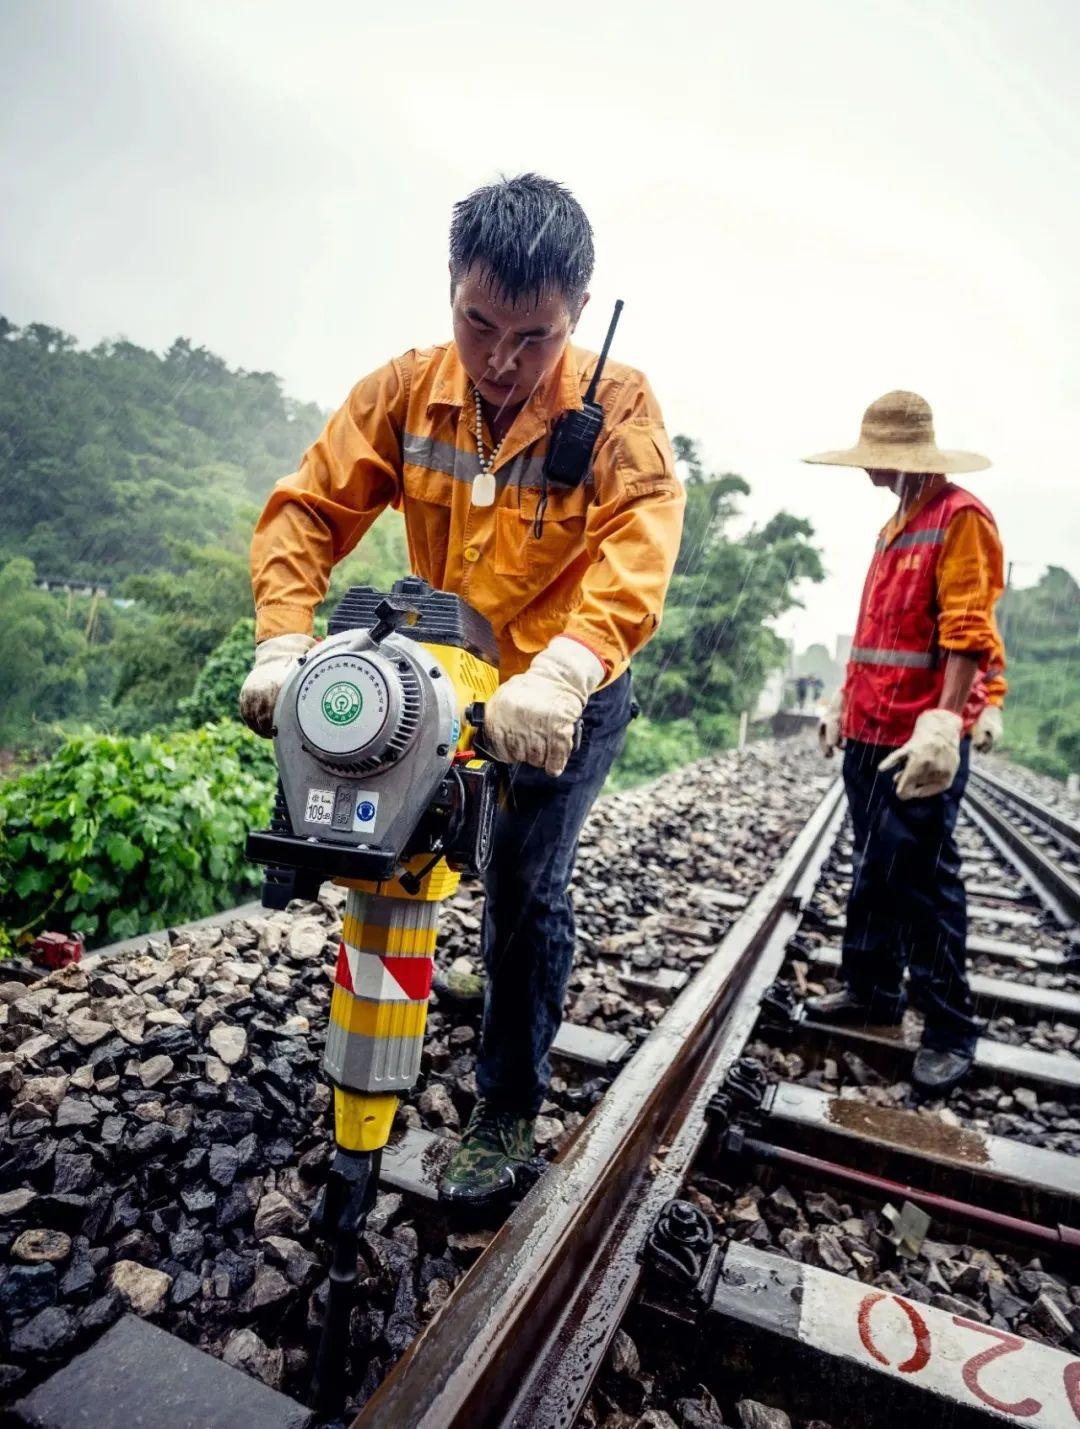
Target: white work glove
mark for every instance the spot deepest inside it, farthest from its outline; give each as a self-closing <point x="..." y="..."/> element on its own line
<point x="530" y="719"/>
<point x="274" y="658"/>
<point x="828" y="732"/>
<point x="987" y="729"/>
<point x="931" y="757"/>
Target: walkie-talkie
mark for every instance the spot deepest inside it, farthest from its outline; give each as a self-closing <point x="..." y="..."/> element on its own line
<point x="571" y="447"/>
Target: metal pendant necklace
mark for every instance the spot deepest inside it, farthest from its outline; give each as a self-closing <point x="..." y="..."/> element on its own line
<point x="483" y="487"/>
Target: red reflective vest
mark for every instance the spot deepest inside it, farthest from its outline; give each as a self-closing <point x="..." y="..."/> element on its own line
<point x="896" y="669"/>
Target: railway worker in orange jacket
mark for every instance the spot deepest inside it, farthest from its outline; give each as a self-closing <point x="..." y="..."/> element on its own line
<point x="924" y="681"/>
<point x="571" y="577"/>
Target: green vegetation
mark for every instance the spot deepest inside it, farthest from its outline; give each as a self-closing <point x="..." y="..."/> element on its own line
<point x="45" y="669"/>
<point x="176" y="623"/>
<point x="134" y="479"/>
<point x="115" y="835"/>
<point x="136" y="476"/>
<point x="217" y="685"/>
<point x="139" y="477"/>
<point x="713" y="651"/>
<point x="110" y="457"/>
<point x="1041" y="628"/>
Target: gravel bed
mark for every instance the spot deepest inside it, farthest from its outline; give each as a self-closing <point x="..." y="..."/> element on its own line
<point x="983" y="866"/>
<point x="1018" y="1291"/>
<point x="165" y="1130"/>
<point x="1031" y="974"/>
<point x="1042" y="1116"/>
<point x="640" y="1387"/>
<point x="1037" y="1115"/>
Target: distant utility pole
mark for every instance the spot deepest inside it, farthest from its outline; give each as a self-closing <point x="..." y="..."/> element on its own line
<point x="1005" y="608"/>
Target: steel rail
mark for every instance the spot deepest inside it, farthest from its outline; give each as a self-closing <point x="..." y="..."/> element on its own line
<point x="524" y="1332"/>
<point x="1058" y="890"/>
<point x="1066" y="829"/>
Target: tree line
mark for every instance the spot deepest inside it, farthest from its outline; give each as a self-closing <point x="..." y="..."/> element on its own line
<point x="129" y="782"/>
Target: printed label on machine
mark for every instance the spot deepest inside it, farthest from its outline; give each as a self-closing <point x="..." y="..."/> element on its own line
<point x="365" y="808"/>
<point x="320" y="806"/>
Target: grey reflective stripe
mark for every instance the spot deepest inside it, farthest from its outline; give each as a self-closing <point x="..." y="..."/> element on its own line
<point x="431" y="455"/>
<point x="523" y="471"/>
<point x="913" y="659"/>
<point x="933" y="536"/>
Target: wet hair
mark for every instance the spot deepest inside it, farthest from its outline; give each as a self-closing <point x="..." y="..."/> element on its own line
<point x="529" y="234"/>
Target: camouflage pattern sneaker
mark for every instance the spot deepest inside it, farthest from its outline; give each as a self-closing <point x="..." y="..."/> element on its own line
<point x="491" y="1159"/>
<point x="466" y="989"/>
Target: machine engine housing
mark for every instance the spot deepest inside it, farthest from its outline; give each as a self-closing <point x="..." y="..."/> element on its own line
<point x="372" y="744"/>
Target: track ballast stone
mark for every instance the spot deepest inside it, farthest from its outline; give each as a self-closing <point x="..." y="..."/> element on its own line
<point x="165" y="1128"/>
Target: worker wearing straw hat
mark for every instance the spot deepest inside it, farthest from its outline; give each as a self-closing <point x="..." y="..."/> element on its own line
<point x="923" y="682"/>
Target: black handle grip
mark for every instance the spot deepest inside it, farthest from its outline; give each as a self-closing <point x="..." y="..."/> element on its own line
<point x="474" y="713"/>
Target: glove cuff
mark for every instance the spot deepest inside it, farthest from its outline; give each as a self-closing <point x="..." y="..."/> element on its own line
<point x="944" y="723"/>
<point x="282" y="647"/>
<point x="571" y="663"/>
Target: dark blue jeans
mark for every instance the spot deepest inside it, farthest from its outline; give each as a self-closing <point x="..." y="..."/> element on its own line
<point x="907" y="907"/>
<point x="528" y="938"/>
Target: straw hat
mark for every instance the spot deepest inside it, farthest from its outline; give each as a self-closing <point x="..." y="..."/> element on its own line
<point x="898" y="435"/>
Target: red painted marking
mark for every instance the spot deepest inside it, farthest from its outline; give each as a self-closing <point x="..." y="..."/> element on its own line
<point x="412" y="975"/>
<point x="921" y="1353"/>
<point x="919" y="1329"/>
<point x="342" y="971"/>
<point x="1023" y="1408"/>
<point x="1071" y="1380"/>
<point x="864" y="1326"/>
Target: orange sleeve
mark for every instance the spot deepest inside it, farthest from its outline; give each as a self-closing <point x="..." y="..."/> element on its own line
<point x="969" y="581"/>
<point x="315" y="517"/>
<point x="632" y="532"/>
<point x="996" y="684"/>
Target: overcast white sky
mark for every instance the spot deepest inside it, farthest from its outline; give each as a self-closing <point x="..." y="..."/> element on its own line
<point x="803" y="205"/>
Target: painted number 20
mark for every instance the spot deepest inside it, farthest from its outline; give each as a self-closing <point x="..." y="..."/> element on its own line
<point x="972" y="1367"/>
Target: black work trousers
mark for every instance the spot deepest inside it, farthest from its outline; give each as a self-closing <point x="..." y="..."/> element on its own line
<point x="528" y="938"/>
<point x="908" y="908"/>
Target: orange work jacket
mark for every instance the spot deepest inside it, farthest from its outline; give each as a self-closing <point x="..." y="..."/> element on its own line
<point x="931" y="588"/>
<point x="599" y="568"/>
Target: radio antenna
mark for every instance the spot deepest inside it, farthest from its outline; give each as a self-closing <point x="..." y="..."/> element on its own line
<point x="590" y="395"/>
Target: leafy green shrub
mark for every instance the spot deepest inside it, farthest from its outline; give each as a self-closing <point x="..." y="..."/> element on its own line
<point x="51" y="671"/>
<point x="651" y="749"/>
<point x="1040" y="625"/>
<point x="176" y="624"/>
<point x="217" y="688"/>
<point x="117" y="835"/>
<point x="1068" y="740"/>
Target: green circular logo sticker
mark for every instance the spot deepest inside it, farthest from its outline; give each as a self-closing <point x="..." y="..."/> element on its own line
<point x="342" y="702"/>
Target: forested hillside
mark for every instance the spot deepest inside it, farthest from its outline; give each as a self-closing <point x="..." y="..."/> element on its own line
<point x="112" y="458"/>
<point x="141" y="475"/>
<point x="715" y="646"/>
<point x="1041" y="628"/>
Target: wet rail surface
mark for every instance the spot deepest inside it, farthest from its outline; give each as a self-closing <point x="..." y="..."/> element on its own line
<point x="536" y="1332"/>
<point x="525" y="1331"/>
<point x="532" y="1335"/>
<point x="180" y="1183"/>
<point x="863" y="1236"/>
<point x="1044" y="843"/>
